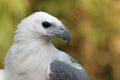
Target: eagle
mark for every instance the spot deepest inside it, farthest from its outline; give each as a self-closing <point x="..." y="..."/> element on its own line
<point x="33" y="56"/>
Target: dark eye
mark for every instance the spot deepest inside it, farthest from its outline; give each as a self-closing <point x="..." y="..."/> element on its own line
<point x="46" y="24"/>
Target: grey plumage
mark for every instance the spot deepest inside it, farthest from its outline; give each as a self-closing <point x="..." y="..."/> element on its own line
<point x="62" y="71"/>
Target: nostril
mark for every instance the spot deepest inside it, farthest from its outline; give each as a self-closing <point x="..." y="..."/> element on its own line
<point x="61" y="29"/>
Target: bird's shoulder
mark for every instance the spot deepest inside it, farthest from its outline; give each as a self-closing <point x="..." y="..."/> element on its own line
<point x="64" y="57"/>
<point x="59" y="70"/>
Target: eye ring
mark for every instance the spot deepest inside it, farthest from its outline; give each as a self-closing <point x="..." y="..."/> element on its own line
<point x="46" y="24"/>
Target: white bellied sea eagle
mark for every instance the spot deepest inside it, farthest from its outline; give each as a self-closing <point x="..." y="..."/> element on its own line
<point x="32" y="55"/>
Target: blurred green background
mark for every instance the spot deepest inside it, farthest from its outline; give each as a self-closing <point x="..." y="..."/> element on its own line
<point x="94" y="26"/>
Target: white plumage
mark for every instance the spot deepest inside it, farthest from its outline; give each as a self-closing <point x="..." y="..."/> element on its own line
<point x="32" y="54"/>
<point x="2" y="76"/>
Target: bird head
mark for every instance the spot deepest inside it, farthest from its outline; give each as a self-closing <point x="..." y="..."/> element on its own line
<point x="42" y="24"/>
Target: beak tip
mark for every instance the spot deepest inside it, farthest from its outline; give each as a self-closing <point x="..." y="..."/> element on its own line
<point x="68" y="38"/>
<point x="68" y="41"/>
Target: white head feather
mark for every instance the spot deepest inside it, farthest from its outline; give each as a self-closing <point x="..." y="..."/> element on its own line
<point x="32" y="27"/>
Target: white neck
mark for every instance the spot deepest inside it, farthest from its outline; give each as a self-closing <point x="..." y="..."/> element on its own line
<point x="31" y="53"/>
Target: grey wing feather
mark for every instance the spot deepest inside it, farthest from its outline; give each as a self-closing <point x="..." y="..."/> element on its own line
<point x="62" y="71"/>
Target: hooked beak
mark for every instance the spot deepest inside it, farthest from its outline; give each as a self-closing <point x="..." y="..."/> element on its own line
<point x="65" y="34"/>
